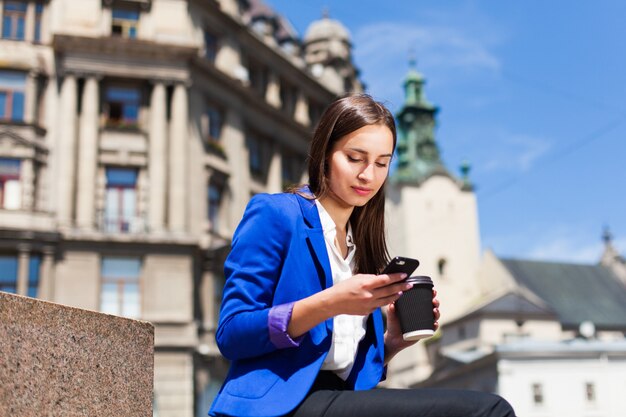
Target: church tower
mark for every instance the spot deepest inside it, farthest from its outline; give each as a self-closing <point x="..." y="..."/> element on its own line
<point x="432" y="216"/>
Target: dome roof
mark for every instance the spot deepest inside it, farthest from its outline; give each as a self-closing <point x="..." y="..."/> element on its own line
<point x="326" y="28"/>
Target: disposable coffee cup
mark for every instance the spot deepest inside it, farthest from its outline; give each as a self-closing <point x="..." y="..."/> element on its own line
<point x="415" y="309"/>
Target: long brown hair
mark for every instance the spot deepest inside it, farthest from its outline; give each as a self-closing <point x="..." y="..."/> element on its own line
<point x="344" y="116"/>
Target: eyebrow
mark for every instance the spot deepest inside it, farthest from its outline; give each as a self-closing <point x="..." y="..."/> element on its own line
<point x="364" y="152"/>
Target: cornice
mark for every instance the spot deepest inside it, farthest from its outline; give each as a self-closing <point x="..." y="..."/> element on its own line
<point x="118" y="46"/>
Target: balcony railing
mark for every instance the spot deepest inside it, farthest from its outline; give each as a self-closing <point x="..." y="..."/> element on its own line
<point x="108" y="223"/>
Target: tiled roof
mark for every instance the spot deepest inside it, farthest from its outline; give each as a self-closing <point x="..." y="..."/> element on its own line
<point x="515" y="304"/>
<point x="575" y="292"/>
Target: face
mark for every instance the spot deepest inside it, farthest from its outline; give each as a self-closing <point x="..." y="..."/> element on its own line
<point x="359" y="164"/>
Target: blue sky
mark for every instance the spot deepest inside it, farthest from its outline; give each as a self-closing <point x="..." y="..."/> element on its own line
<point x="532" y="93"/>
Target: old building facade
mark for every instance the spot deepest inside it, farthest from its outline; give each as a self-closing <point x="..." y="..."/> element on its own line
<point x="132" y="135"/>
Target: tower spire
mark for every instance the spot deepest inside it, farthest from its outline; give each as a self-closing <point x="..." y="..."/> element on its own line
<point x="418" y="153"/>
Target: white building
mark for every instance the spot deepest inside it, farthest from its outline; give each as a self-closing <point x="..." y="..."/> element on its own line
<point x="577" y="378"/>
<point x="549" y="337"/>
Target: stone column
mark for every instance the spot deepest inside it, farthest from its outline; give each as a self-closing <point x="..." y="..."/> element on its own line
<point x="46" y="284"/>
<point x="22" y="269"/>
<point x="239" y="180"/>
<point x="30" y="99"/>
<point x="66" y="151"/>
<point x="27" y="172"/>
<point x="29" y="27"/>
<point x="178" y="161"/>
<point x="275" y="172"/>
<point x="301" y="112"/>
<point x="143" y="191"/>
<point x="207" y="300"/>
<point x="272" y="94"/>
<point x="88" y="155"/>
<point x="157" y="163"/>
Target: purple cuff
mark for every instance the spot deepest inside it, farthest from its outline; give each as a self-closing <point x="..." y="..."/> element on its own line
<point x="278" y="321"/>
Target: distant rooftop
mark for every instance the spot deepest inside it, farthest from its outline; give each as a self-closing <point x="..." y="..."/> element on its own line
<point x="575" y="292"/>
<point x="573" y="345"/>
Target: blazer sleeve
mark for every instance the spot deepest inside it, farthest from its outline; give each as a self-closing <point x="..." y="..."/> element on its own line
<point x="252" y="270"/>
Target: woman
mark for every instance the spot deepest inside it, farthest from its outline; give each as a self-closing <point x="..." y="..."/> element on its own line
<point x="301" y="313"/>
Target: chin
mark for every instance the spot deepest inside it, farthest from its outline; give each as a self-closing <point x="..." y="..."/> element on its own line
<point x="361" y="201"/>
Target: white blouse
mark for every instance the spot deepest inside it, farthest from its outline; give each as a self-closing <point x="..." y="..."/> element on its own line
<point x="348" y="330"/>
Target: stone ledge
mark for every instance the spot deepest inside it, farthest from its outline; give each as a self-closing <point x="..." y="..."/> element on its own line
<point x="59" y="360"/>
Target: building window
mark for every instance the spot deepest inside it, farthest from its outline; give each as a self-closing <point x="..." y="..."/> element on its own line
<point x="125" y="23"/>
<point x="122" y="106"/>
<point x="212" y="123"/>
<point x="287" y="98"/>
<point x="12" y="88"/>
<point x="14" y="20"/>
<point x="120" y="286"/>
<point x="590" y="392"/>
<point x="120" y="212"/>
<point x="10" y="187"/>
<point x="8" y="273"/>
<point x="38" y="14"/>
<point x="215" y="198"/>
<point x="211" y="46"/>
<point x="259" y="78"/>
<point x="34" y="266"/>
<point x="255" y="155"/>
<point x="315" y="112"/>
<point x="537" y="390"/>
<point x="292" y="170"/>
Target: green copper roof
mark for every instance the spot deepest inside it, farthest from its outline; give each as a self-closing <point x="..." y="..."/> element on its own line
<point x="418" y="152"/>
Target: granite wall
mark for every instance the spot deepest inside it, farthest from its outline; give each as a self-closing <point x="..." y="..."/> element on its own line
<point x="62" y="361"/>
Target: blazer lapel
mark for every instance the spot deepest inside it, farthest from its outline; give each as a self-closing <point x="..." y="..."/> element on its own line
<point x="315" y="236"/>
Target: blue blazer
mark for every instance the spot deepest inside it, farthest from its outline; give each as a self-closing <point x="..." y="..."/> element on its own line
<point x="278" y="256"/>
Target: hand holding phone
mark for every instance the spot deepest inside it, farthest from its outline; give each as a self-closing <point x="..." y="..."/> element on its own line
<point x="401" y="264"/>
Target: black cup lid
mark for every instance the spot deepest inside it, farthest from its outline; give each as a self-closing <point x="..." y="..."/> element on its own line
<point x="420" y="279"/>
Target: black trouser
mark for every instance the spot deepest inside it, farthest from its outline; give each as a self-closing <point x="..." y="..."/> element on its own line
<point x="328" y="398"/>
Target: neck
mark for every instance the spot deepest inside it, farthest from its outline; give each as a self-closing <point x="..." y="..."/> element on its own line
<point x="338" y="212"/>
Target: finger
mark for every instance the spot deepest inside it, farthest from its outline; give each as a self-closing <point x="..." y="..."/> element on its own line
<point x="389" y="300"/>
<point x="384" y="280"/>
<point x="391" y="278"/>
<point x="391" y="289"/>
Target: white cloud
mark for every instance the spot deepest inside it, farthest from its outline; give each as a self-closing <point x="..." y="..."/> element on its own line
<point x="566" y="249"/>
<point x="571" y="249"/>
<point x="517" y="152"/>
<point x="557" y="242"/>
<point x="437" y="47"/>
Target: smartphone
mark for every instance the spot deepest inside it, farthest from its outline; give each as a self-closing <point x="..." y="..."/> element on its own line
<point x="401" y="264"/>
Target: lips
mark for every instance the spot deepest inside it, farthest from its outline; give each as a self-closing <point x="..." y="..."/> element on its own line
<point x="362" y="191"/>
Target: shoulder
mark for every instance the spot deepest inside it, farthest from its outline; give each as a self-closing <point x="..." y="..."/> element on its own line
<point x="276" y="211"/>
<point x="284" y="203"/>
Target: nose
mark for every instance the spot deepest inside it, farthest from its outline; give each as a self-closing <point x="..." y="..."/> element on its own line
<point x="367" y="174"/>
